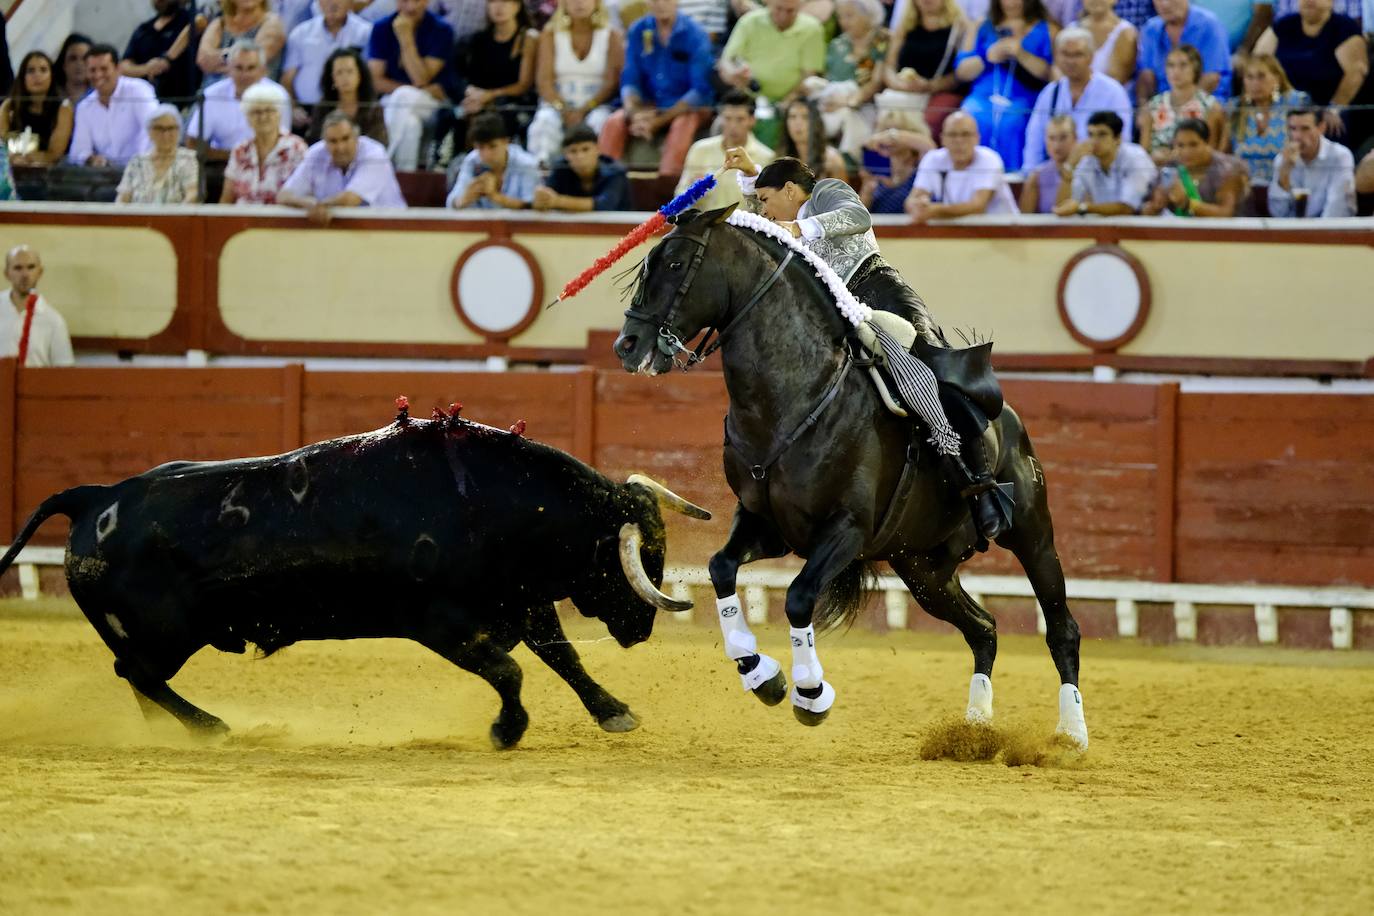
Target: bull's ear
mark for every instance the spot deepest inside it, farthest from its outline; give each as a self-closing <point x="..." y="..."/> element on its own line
<point x="715" y="217"/>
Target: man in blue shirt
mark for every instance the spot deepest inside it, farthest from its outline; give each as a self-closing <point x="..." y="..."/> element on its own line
<point x="665" y="86"/>
<point x="1178" y="23"/>
<point x="583" y="180"/>
<point x="496" y="175"/>
<point x="407" y="53"/>
<point x="1080" y="92"/>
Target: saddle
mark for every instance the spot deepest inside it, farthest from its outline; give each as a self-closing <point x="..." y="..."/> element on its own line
<point x="969" y="391"/>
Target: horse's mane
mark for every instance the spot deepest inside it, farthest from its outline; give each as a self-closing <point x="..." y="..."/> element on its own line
<point x="853" y="311"/>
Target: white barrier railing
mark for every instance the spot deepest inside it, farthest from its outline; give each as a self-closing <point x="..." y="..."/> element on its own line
<point x="28" y="561"/>
<point x="1341" y="602"/>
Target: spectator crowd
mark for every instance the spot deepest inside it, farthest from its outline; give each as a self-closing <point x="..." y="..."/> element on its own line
<point x="935" y="108"/>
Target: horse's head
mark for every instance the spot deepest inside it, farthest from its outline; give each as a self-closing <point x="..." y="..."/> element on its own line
<point x="679" y="293"/>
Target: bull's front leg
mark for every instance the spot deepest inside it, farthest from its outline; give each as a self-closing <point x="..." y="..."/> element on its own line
<point x="484" y="658"/>
<point x="544" y="636"/>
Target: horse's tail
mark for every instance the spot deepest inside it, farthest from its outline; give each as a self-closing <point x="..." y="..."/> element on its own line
<point x="845" y="596"/>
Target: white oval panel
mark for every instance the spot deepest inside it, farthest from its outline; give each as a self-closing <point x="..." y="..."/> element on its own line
<point x="1102" y="297"/>
<point x="496" y="289"/>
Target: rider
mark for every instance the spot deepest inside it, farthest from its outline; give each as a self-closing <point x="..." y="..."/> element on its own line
<point x="834" y="223"/>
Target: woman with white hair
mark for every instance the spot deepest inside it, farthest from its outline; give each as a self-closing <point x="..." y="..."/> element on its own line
<point x="167" y="174"/>
<point x="260" y="165"/>
<point x="853" y="74"/>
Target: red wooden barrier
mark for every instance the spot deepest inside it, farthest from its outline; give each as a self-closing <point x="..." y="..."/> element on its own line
<point x="1145" y="482"/>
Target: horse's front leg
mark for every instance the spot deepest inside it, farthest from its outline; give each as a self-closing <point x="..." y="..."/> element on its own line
<point x="837" y="550"/>
<point x="751" y="538"/>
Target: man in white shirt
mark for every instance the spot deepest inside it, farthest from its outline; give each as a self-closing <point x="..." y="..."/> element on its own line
<point x="961" y="179"/>
<point x="708" y="154"/>
<point x="225" y="124"/>
<point x="48" y="342"/>
<point x="1112" y="178"/>
<point x="1313" y="170"/>
<point x="1079" y="92"/>
<point x="111" y="121"/>
<point x="310" y="44"/>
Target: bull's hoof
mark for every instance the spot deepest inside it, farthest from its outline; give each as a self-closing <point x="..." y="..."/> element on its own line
<point x="625" y="722"/>
<point x="502" y="740"/>
<point x="208" y="729"/>
<point x="772" y="691"/>
<point x="506" y="734"/>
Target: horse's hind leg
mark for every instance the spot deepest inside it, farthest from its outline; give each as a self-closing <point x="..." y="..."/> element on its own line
<point x="937" y="589"/>
<point x="751" y="538"/>
<point x="1031" y="540"/>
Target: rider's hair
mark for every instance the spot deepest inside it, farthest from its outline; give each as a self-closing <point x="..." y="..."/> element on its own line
<point x="780" y="171"/>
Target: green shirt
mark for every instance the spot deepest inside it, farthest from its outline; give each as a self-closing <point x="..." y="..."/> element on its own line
<point x="778" y="60"/>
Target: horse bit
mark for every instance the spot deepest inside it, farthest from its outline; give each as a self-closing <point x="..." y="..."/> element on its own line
<point x="668" y="343"/>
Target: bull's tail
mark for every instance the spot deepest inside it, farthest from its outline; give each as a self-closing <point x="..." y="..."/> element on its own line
<point x="68" y="502"/>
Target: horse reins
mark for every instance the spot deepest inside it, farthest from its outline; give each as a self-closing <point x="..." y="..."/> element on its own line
<point x="669" y="344"/>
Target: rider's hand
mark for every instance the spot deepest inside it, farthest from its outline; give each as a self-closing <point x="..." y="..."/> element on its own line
<point x="738" y="158"/>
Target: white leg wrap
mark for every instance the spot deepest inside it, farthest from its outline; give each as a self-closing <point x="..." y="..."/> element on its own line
<point x="979" y="700"/>
<point x="822" y="703"/>
<point x="806" y="667"/>
<point x="739" y="639"/>
<point x="1071" y="720"/>
<point x="740" y="643"/>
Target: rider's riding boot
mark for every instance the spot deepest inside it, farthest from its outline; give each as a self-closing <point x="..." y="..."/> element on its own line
<point x="990" y="502"/>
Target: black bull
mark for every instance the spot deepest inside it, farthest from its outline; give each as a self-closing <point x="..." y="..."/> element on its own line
<point x="453" y="534"/>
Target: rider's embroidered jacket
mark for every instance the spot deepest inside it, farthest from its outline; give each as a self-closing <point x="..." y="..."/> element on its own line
<point x="834" y="223"/>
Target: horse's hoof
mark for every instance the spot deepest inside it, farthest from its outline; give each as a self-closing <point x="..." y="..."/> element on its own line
<point x="772" y="691"/>
<point x="811" y="705"/>
<point x="625" y="722"/>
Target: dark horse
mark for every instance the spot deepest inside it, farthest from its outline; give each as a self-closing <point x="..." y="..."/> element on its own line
<point x="816" y="459"/>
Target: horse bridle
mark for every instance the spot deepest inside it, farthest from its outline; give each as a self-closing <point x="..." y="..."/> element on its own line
<point x="668" y="341"/>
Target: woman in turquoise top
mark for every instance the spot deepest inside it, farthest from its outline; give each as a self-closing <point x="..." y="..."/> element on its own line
<point x="1008" y="62"/>
<point x="1259" y="116"/>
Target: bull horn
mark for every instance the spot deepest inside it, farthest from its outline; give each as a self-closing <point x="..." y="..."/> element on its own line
<point x="639" y="579"/>
<point x="670" y="500"/>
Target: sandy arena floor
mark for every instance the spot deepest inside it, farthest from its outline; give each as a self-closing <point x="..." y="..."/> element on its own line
<point x="359" y="779"/>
